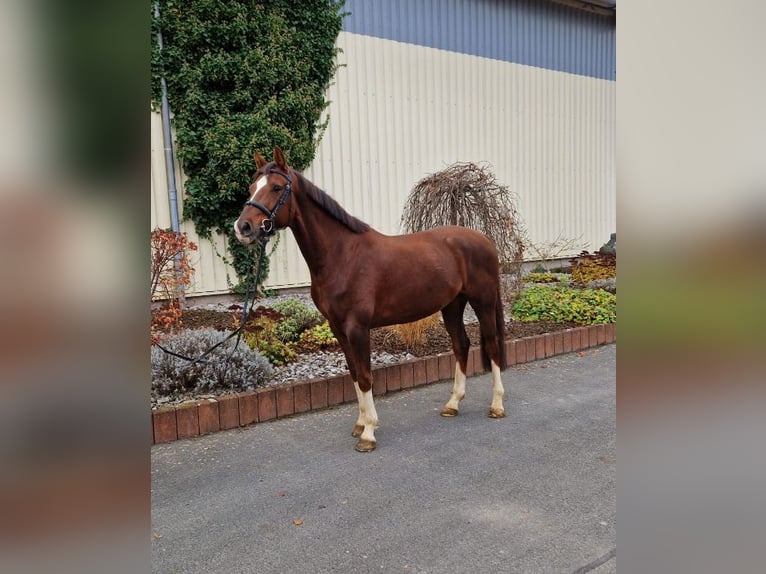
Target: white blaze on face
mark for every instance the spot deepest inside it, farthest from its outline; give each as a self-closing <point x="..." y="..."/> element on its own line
<point x="258" y="186"/>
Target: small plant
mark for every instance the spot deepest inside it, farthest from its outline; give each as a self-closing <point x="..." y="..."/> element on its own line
<point x="414" y="334"/>
<point x="317" y="338"/>
<point x="171" y="272"/>
<point x="170" y="267"/>
<point x="296" y="318"/>
<point x="225" y="368"/>
<point x="275" y="331"/>
<point x="544" y="277"/>
<point x="592" y="266"/>
<point x="561" y="304"/>
<point x="261" y="334"/>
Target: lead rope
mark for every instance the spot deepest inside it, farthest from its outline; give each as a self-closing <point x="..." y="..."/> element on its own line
<point x="251" y="285"/>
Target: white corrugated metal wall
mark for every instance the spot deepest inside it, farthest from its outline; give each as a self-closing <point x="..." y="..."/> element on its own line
<point x="400" y="111"/>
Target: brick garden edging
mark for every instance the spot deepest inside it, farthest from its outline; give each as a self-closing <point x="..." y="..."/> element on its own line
<point x="243" y="409"/>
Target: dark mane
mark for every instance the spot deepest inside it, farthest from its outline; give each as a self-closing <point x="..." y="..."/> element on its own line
<point x="330" y="206"/>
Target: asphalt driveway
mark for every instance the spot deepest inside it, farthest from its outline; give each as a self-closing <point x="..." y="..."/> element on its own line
<point x="534" y="492"/>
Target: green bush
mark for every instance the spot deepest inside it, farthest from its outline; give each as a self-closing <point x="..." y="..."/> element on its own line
<point x="297" y="317"/>
<point x="242" y="76"/>
<point x="276" y="330"/>
<point x="560" y="304"/>
<point x="317" y="338"/>
<point x="261" y="334"/>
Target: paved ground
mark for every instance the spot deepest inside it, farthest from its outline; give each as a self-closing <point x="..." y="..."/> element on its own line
<point x="534" y="492"/>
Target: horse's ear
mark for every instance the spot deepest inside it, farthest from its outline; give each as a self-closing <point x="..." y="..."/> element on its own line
<point x="259" y="160"/>
<point x="280" y="158"/>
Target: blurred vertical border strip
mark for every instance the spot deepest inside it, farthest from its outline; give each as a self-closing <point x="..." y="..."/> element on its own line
<point x="691" y="135"/>
<point x="74" y="222"/>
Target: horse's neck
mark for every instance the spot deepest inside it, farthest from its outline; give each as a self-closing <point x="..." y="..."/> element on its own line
<point x="320" y="237"/>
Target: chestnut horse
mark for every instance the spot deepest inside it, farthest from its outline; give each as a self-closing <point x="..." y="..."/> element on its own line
<point x="361" y="279"/>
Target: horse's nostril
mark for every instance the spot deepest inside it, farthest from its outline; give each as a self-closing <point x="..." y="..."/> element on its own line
<point x="245" y="228"/>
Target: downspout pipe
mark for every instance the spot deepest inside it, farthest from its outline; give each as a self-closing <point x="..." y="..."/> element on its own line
<point x="167" y="138"/>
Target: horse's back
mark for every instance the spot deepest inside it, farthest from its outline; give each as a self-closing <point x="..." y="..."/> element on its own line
<point x="454" y="234"/>
<point x="466" y="244"/>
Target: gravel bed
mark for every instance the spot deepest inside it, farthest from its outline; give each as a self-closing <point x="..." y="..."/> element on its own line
<point x="304" y="298"/>
<point x="312" y="365"/>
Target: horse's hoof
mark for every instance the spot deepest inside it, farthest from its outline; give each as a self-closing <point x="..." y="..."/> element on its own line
<point x="358" y="430"/>
<point x="496" y="413"/>
<point x="449" y="412"/>
<point x="365" y="445"/>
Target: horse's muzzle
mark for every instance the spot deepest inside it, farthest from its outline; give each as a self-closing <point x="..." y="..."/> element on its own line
<point x="245" y="232"/>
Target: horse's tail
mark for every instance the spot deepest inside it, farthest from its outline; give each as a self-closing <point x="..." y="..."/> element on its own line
<point x="499" y="336"/>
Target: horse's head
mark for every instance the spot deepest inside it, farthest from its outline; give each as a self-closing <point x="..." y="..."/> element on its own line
<point x="269" y="206"/>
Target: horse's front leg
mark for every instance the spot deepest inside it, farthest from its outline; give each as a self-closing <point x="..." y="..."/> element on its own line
<point x="359" y="425"/>
<point x="368" y="419"/>
<point x="358" y="355"/>
<point x="355" y="342"/>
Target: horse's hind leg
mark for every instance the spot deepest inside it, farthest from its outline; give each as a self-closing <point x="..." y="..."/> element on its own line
<point x="491" y="322"/>
<point x="453" y="322"/>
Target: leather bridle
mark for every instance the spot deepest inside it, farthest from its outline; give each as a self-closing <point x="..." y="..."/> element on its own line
<point x="267" y="225"/>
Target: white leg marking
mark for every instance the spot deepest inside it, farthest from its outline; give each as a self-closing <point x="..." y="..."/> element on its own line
<point x="458" y="389"/>
<point x="369" y="415"/>
<point x="360" y="404"/>
<point x="497" y="389"/>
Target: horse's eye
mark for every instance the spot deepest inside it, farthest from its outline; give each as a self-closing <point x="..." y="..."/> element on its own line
<point x="276" y="188"/>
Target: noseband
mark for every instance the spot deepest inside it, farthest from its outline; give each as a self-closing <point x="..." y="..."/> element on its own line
<point x="267" y="225"/>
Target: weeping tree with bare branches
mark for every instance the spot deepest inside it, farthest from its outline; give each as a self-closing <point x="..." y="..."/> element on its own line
<point x="469" y="195"/>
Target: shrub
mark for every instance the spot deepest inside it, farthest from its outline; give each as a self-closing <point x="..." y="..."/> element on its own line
<point x="276" y="330"/>
<point x="560" y="304"/>
<point x="227" y="367"/>
<point x="261" y="334"/>
<point x="297" y="317"/>
<point x="171" y="272"/>
<point x="589" y="267"/>
<point x="317" y="338"/>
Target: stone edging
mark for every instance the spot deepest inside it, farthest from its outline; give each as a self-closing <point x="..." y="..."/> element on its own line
<point x="244" y="409"/>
